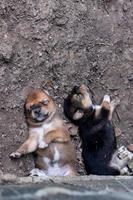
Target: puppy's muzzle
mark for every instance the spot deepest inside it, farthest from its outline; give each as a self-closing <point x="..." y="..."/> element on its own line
<point x="37" y="111"/>
<point x="38" y="114"/>
<point x="77" y="100"/>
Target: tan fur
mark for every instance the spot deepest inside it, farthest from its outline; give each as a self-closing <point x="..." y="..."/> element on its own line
<point x="58" y="135"/>
<point x="85" y="102"/>
<point x="97" y="112"/>
<point x="29" y="145"/>
<point x="106" y="105"/>
<point x="49" y="138"/>
<point x="66" y="155"/>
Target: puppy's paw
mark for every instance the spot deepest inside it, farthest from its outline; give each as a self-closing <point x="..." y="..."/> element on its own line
<point x="15" y="155"/>
<point x="42" y="145"/>
<point x="106" y="98"/>
<point x="106" y="102"/>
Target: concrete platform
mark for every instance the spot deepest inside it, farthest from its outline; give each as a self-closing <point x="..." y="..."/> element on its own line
<point x="78" y="188"/>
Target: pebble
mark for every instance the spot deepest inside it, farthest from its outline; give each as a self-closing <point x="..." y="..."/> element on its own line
<point x="125" y="8"/>
<point x="130" y="77"/>
<point x="118" y="132"/>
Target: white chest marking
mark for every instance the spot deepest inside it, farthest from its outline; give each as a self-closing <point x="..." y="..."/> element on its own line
<point x="46" y="160"/>
<point x="96" y="107"/>
<point x="41" y="132"/>
<point x="56" y="155"/>
<point x="48" y="126"/>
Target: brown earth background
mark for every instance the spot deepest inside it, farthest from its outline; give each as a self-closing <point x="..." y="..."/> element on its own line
<point x="53" y="45"/>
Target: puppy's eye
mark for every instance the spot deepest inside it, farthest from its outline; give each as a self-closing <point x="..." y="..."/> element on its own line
<point x="45" y="102"/>
<point x="28" y="110"/>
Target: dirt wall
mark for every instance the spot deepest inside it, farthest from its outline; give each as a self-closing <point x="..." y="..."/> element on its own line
<point x="55" y="44"/>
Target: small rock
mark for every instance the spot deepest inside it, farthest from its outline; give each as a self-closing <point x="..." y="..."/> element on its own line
<point x="61" y="21"/>
<point x="9" y="178"/>
<point x="125" y="8"/>
<point x="25" y="180"/>
<point x="56" y="87"/>
<point x="40" y="54"/>
<point x="39" y="179"/>
<point x="118" y="132"/>
<point x="130" y="77"/>
<point x="1" y="173"/>
<point x="6" y="48"/>
<point x="21" y="165"/>
<point x="128" y="54"/>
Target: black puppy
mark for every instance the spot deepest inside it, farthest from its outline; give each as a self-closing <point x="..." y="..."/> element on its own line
<point x="96" y="130"/>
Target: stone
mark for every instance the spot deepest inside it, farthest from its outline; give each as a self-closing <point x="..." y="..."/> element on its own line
<point x="118" y="132"/>
<point x="73" y="188"/>
<point x="8" y="178"/>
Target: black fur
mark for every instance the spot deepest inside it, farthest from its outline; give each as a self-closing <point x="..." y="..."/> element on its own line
<point x="98" y="139"/>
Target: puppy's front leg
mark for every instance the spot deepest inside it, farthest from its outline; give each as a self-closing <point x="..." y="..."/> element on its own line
<point x="59" y="135"/>
<point x="29" y="146"/>
<point x="104" y="108"/>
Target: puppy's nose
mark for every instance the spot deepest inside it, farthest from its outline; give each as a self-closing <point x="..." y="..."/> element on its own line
<point x="91" y="108"/>
<point x="37" y="110"/>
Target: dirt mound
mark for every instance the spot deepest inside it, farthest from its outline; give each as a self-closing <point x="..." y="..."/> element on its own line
<point x="55" y="44"/>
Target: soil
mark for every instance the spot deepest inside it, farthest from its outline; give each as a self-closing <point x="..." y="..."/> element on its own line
<point x="53" y="45"/>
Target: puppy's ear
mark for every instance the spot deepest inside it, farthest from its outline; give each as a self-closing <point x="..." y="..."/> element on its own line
<point x="78" y="114"/>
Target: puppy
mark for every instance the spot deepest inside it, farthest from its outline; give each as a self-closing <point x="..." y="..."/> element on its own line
<point x="48" y="138"/>
<point x="96" y="130"/>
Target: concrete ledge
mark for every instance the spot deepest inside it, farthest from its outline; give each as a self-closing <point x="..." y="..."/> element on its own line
<point x="11" y="178"/>
<point x="79" y="187"/>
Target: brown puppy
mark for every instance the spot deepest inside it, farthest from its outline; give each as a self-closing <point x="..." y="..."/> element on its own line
<point x="48" y="138"/>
